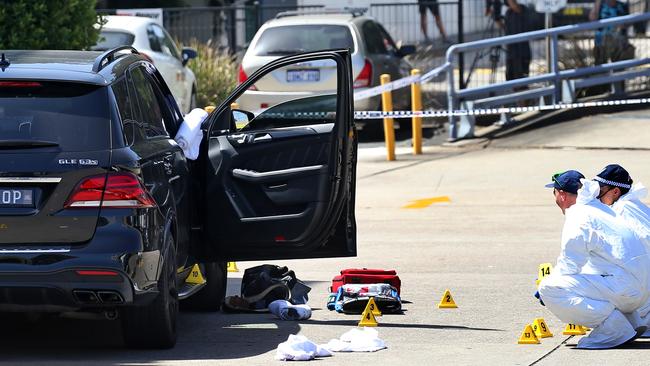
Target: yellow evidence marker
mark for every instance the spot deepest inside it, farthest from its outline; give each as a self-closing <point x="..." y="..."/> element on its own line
<point x="195" y="277"/>
<point x="572" y="329"/>
<point x="232" y="267"/>
<point x="372" y="306"/>
<point x="541" y="329"/>
<point x="543" y="271"/>
<point x="447" y="302"/>
<point x="367" y="318"/>
<point x="528" y="336"/>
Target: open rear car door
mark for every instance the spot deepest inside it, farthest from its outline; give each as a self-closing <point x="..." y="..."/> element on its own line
<point x="279" y="177"/>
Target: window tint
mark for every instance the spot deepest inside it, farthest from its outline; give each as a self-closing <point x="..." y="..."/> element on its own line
<point x="165" y="43"/>
<point x="154" y="41"/>
<point x="374" y="40"/>
<point x="151" y="118"/>
<point x="125" y="107"/>
<point x="74" y="116"/>
<point x="109" y="40"/>
<point x="303" y="38"/>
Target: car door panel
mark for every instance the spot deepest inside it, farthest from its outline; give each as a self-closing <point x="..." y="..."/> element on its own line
<point x="283" y="191"/>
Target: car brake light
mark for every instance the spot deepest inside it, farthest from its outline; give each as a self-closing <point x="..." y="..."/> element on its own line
<point x="117" y="190"/>
<point x="147" y="57"/>
<point x="365" y="76"/>
<point x="243" y="77"/>
<point x="20" y="84"/>
<point x="96" y="273"/>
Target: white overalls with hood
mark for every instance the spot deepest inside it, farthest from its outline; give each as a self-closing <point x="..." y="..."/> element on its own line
<point x="601" y="273"/>
<point x="636" y="215"/>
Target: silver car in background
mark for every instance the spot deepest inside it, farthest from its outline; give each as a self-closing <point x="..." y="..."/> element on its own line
<point x="373" y="53"/>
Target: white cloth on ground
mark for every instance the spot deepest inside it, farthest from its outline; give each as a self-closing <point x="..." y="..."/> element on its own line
<point x="602" y="267"/>
<point x="189" y="135"/>
<point x="285" y="310"/>
<point x="357" y="340"/>
<point x="299" y="348"/>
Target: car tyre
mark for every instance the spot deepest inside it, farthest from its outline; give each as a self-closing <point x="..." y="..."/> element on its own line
<point x="154" y="325"/>
<point x="211" y="296"/>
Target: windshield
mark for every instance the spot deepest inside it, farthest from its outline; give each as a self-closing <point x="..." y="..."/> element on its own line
<point x="64" y="116"/>
<point x="109" y="40"/>
<point x="286" y="40"/>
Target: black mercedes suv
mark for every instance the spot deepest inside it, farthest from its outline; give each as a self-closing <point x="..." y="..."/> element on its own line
<point x="101" y="212"/>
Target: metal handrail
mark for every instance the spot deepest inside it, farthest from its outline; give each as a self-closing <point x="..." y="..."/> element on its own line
<point x="555" y="76"/>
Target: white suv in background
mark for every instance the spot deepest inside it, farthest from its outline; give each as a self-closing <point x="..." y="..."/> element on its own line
<point x="373" y="53"/>
<point x="154" y="43"/>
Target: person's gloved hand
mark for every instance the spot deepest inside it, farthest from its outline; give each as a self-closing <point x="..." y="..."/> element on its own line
<point x="539" y="298"/>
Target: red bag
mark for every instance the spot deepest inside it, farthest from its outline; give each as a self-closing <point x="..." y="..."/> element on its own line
<point x="365" y="275"/>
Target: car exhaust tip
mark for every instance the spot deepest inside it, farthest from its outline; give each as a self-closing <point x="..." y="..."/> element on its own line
<point x="86" y="297"/>
<point x="110" y="297"/>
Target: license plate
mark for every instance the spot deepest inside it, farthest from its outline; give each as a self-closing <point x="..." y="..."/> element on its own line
<point x="303" y="75"/>
<point x="16" y="197"/>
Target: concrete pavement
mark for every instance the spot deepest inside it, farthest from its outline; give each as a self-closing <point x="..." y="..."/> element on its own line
<point x="484" y="245"/>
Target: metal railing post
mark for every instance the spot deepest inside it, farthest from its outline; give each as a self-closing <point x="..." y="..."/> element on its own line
<point x="389" y="129"/>
<point x="416" y="105"/>
<point x="452" y="104"/>
<point x="557" y="96"/>
<point x="461" y="39"/>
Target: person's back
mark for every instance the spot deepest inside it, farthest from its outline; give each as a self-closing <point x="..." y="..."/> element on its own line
<point x="635" y="213"/>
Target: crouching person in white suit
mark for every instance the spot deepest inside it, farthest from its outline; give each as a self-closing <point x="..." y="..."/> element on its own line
<point x="618" y="191"/>
<point x="601" y="275"/>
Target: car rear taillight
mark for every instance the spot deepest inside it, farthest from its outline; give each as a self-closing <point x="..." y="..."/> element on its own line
<point x="117" y="190"/>
<point x="365" y="76"/>
<point x="243" y="77"/>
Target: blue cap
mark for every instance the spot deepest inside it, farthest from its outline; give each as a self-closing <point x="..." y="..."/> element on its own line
<point x="614" y="175"/>
<point x="568" y="181"/>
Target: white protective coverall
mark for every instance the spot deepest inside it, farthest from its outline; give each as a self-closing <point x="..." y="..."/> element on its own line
<point x="601" y="273"/>
<point x="636" y="215"/>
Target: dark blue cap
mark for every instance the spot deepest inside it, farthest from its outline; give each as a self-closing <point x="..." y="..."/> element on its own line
<point x="568" y="181"/>
<point x="614" y="175"/>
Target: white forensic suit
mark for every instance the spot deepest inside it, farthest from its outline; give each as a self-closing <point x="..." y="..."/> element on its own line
<point x="601" y="273"/>
<point x="636" y="215"/>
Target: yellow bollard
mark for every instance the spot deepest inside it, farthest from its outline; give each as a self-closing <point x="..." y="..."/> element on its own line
<point x="416" y="105"/>
<point x="389" y="129"/>
<point x="234" y="105"/>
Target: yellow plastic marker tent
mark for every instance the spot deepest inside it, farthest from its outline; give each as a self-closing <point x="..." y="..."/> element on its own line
<point x="541" y="329"/>
<point x="372" y="306"/>
<point x="232" y="267"/>
<point x="528" y="336"/>
<point x="447" y="302"/>
<point x="543" y="271"/>
<point x="195" y="277"/>
<point x="368" y="318"/>
<point x="572" y="329"/>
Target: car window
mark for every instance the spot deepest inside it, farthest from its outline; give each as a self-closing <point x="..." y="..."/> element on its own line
<point x="154" y="40"/>
<point x="111" y="39"/>
<point x="373" y="38"/>
<point x="387" y="39"/>
<point x="125" y="107"/>
<point x="287" y="40"/>
<point x="74" y="116"/>
<point x="298" y="94"/>
<point x="151" y="116"/>
<point x="165" y="42"/>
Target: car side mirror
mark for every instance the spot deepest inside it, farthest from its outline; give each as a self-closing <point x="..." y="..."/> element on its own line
<point x="188" y="53"/>
<point x="241" y="117"/>
<point x="406" y="49"/>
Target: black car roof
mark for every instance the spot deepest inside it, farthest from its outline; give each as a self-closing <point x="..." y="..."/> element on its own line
<point x="58" y="65"/>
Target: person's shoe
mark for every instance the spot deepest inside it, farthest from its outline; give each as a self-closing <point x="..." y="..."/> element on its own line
<point x="637" y="323"/>
<point x="614" y="331"/>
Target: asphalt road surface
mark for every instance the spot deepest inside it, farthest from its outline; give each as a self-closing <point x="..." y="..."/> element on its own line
<point x="484" y="245"/>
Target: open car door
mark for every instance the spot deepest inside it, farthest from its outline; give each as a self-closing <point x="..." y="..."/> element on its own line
<point x="280" y="174"/>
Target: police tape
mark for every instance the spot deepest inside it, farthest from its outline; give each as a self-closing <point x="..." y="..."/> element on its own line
<point x="400" y="83"/>
<point x="496" y="111"/>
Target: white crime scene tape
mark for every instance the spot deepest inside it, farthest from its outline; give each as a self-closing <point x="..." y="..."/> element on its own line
<point x="495" y="111"/>
<point x="400" y="83"/>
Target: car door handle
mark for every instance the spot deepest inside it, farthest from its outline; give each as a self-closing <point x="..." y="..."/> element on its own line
<point x="262" y="138"/>
<point x="278" y="175"/>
